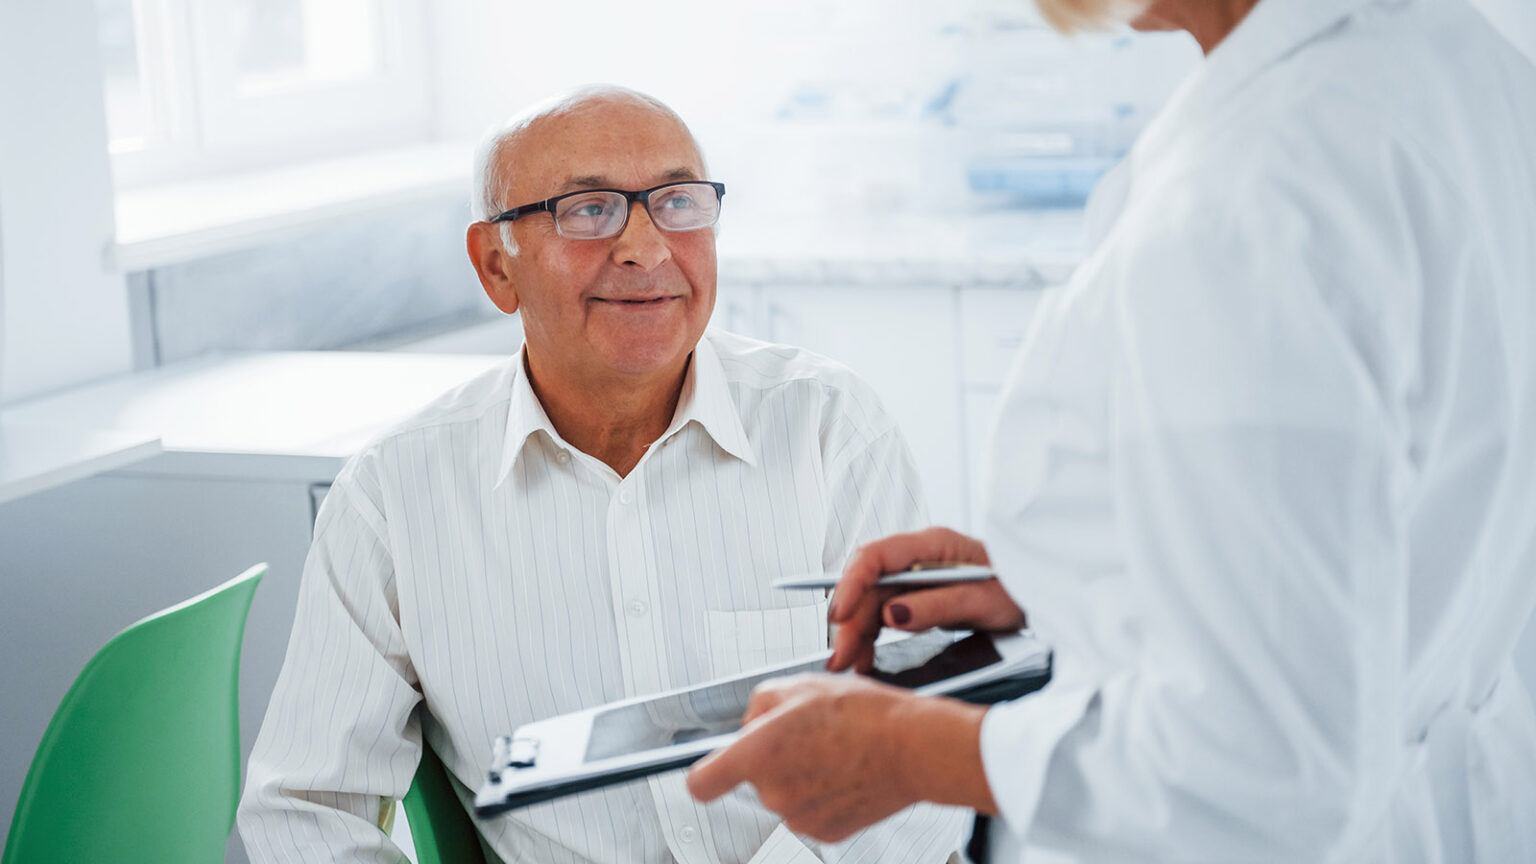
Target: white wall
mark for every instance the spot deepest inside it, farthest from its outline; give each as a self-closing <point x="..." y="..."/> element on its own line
<point x="495" y="56"/>
<point x="65" y="316"/>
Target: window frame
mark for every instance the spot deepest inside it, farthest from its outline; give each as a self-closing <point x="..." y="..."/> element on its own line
<point x="200" y="125"/>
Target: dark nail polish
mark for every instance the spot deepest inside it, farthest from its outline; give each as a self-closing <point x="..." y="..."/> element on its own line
<point x="900" y="614"/>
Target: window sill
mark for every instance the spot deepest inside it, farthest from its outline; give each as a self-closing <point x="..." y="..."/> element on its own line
<point x="162" y="225"/>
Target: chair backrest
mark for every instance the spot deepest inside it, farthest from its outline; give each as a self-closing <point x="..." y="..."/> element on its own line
<point x="442" y="832"/>
<point x="141" y="761"/>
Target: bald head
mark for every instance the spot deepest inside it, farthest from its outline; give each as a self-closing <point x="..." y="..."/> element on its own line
<point x="502" y="148"/>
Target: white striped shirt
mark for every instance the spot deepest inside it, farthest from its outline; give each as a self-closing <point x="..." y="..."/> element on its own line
<point x="473" y="563"/>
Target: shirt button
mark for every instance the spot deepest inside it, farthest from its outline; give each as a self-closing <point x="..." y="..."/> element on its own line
<point x="625" y="497"/>
<point x="638" y="608"/>
<point x="563" y="456"/>
<point x="688" y="834"/>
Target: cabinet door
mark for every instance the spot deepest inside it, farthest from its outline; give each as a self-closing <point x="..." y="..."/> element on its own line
<point x="736" y="309"/>
<point x="901" y="340"/>
<point x="993" y="321"/>
<point x="979" y="405"/>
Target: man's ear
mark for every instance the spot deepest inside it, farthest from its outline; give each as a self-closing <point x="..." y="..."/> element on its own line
<point x="492" y="264"/>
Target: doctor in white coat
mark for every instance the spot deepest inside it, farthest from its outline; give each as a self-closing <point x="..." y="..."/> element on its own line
<point x="1264" y="474"/>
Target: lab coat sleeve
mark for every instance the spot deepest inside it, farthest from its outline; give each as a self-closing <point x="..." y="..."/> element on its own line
<point x="339" y="739"/>
<point x="1260" y="468"/>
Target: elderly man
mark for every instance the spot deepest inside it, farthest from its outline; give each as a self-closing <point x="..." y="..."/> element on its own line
<point x="597" y="519"/>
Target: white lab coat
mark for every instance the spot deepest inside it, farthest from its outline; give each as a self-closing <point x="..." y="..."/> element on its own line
<point x="1265" y="471"/>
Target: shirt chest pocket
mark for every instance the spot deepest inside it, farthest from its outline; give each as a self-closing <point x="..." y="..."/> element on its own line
<point x="744" y="640"/>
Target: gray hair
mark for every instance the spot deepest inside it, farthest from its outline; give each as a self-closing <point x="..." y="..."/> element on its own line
<point x="491" y="172"/>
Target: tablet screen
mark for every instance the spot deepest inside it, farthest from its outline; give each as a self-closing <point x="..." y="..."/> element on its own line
<point x="716" y="710"/>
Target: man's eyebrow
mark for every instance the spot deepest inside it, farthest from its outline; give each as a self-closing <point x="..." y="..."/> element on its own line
<point x="590" y="181"/>
<point x="598" y="181"/>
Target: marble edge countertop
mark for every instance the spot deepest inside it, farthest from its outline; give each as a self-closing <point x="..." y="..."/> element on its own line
<point x="1019" y="248"/>
<point x="1001" y="272"/>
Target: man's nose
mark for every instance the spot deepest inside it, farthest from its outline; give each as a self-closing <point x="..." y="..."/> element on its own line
<point x="641" y="244"/>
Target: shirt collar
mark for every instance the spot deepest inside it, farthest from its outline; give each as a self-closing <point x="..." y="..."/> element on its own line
<point x="525" y="416"/>
<point x="706" y="399"/>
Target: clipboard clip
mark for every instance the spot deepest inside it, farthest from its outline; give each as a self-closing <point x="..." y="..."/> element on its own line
<point x="512" y="753"/>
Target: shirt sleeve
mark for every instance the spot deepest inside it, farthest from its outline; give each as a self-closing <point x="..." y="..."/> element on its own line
<point x="340" y="737"/>
<point x="1260" y="465"/>
<point x="873" y="491"/>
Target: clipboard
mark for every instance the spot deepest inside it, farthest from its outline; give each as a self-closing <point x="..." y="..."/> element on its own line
<point x="639" y="737"/>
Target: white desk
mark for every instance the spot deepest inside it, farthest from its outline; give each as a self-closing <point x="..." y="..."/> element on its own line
<point x="38" y="458"/>
<point x="263" y="416"/>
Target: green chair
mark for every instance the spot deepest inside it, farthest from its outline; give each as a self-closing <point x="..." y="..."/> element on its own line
<point x="141" y="761"/>
<point x="442" y="832"/>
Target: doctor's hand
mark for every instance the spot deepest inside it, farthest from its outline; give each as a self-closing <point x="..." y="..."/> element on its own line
<point x="860" y="607"/>
<point x="832" y="754"/>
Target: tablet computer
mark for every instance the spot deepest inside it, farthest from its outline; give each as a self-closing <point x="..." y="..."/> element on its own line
<point x="648" y="735"/>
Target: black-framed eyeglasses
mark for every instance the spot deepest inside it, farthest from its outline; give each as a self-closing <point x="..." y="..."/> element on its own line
<point x="595" y="214"/>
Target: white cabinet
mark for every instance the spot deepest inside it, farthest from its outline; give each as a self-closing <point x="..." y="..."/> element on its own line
<point x="992" y="326"/>
<point x="737" y="310"/>
<point x="901" y="339"/>
<point x="993" y="322"/>
<point x="977" y="418"/>
<point x="937" y="354"/>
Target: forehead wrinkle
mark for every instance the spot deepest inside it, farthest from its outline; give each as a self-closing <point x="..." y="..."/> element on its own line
<point x="600" y="181"/>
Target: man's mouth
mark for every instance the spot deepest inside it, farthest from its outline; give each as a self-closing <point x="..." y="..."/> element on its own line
<point x="634" y="301"/>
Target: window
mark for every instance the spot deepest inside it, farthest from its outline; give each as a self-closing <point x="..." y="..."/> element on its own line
<point x="196" y="87"/>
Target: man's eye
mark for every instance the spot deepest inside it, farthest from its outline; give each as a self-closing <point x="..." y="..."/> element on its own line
<point x="588" y="210"/>
<point x="680" y="201"/>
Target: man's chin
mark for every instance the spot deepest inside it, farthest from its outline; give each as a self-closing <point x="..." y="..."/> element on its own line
<point x="643" y="359"/>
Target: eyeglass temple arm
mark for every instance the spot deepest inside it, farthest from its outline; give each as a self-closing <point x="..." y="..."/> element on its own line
<point x="519" y="212"/>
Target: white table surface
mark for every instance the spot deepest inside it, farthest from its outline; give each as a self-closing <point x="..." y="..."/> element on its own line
<point x="37" y="458"/>
<point x="267" y="415"/>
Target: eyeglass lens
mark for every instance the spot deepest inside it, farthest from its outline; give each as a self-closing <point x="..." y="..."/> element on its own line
<point x="595" y="215"/>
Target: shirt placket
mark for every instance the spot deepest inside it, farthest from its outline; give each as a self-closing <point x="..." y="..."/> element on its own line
<point x="637" y="599"/>
<point x="631" y="560"/>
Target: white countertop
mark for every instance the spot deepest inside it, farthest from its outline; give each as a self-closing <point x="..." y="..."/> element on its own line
<point x="270" y="415"/>
<point x="1023" y="248"/>
<point x="37" y="458"/>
